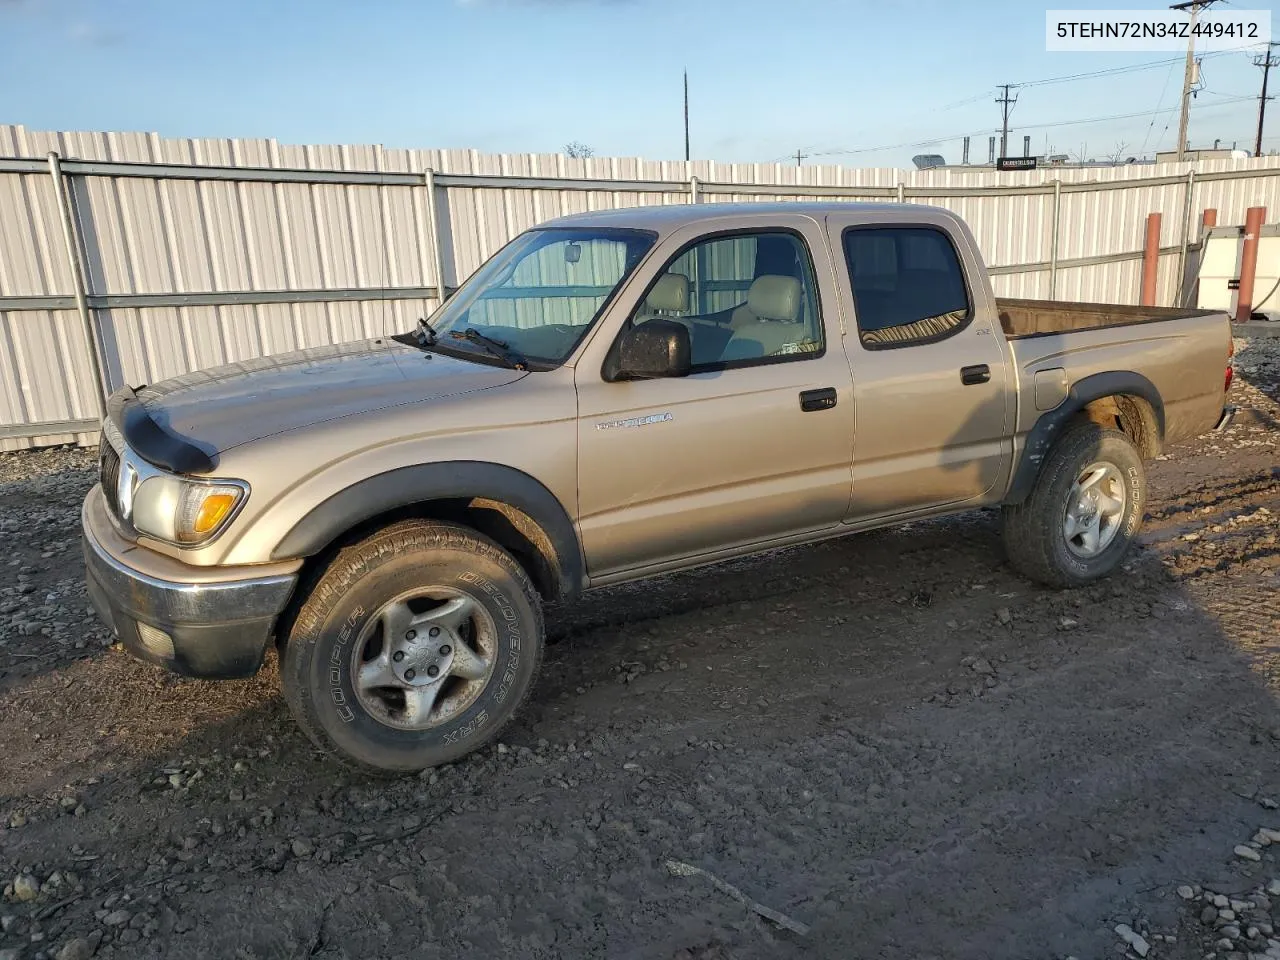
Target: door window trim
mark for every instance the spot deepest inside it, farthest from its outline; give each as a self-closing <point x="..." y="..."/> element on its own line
<point x="748" y="361"/>
<point x="970" y="312"/>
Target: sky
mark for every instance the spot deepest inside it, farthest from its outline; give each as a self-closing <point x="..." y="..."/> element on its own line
<point x="859" y="82"/>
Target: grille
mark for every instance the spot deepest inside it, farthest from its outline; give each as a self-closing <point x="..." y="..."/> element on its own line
<point x="109" y="474"/>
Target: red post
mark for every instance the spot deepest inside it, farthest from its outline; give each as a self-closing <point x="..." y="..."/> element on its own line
<point x="1151" y="260"/>
<point x="1209" y="220"/>
<point x="1253" y="220"/>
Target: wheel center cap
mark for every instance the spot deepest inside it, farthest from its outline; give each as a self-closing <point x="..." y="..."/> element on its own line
<point x="420" y="659"/>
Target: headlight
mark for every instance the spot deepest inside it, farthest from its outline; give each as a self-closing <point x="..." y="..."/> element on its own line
<point x="185" y="511"/>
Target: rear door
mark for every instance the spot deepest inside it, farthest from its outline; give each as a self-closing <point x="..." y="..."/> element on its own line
<point x="932" y="394"/>
<point x="756" y="443"/>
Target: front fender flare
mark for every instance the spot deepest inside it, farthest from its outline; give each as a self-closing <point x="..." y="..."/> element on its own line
<point x="422" y="483"/>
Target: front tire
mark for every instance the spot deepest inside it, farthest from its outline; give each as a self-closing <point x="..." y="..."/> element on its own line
<point x="1084" y="511"/>
<point x="415" y="647"/>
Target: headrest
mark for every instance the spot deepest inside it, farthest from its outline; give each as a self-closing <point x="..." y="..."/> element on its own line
<point x="774" y="297"/>
<point x="670" y="293"/>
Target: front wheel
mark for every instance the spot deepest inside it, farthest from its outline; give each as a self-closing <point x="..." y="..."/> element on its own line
<point x="1084" y="511"/>
<point x="414" y="648"/>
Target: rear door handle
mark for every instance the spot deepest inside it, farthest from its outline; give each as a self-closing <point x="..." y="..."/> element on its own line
<point x="978" y="373"/>
<point x="821" y="399"/>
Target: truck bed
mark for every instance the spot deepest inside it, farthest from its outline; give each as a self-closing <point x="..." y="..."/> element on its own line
<point x="1032" y="318"/>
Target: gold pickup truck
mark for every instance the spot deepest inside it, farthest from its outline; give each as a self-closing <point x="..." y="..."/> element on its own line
<point x="613" y="396"/>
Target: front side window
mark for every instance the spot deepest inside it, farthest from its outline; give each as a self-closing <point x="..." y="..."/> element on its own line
<point x="540" y="293"/>
<point x="908" y="285"/>
<point x="745" y="299"/>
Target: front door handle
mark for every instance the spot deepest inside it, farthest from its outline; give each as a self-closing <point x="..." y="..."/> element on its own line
<point x="821" y="399"/>
<point x="978" y="373"/>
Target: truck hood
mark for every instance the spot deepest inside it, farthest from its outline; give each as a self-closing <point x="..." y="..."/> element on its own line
<point x="223" y="407"/>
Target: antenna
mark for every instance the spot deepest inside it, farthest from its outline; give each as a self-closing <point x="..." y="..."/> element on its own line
<point x="686" y="116"/>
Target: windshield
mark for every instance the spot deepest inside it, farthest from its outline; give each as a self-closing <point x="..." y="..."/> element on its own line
<point x="541" y="292"/>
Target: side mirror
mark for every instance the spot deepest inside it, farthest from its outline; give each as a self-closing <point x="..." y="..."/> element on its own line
<point x="655" y="348"/>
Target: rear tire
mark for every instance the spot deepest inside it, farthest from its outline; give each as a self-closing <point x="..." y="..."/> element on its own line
<point x="415" y="647"/>
<point x="1084" y="511"/>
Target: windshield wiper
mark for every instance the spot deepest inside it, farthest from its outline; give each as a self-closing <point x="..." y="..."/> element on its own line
<point x="492" y="346"/>
<point x="425" y="333"/>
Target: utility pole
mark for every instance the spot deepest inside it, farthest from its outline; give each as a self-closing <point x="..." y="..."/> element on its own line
<point x="1266" y="63"/>
<point x="1006" y="103"/>
<point x="1188" y="76"/>
<point x="800" y="156"/>
<point x="686" y="116"/>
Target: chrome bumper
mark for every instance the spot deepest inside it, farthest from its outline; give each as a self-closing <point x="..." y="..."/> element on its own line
<point x="205" y="622"/>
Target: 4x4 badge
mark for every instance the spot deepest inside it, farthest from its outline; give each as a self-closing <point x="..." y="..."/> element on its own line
<point x="634" y="421"/>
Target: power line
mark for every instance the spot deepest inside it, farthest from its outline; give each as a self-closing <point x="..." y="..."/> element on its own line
<point x="1113" y="71"/>
<point x="1127" y="116"/>
<point x="1028" y="126"/>
<point x="965" y="102"/>
<point x="1156" y="112"/>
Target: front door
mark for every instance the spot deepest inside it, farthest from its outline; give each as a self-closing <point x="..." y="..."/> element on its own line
<point x="754" y="444"/>
<point x="933" y="400"/>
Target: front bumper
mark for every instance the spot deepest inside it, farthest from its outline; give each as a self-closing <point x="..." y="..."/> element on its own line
<point x="212" y="622"/>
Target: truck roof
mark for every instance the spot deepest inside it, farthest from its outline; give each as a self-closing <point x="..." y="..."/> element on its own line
<point x="669" y="216"/>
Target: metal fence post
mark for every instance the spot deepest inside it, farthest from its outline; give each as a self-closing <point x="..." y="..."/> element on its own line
<point x="433" y="232"/>
<point x="1181" y="284"/>
<point x="693" y="189"/>
<point x="1053" y="239"/>
<point x="79" y="282"/>
<point x="902" y="192"/>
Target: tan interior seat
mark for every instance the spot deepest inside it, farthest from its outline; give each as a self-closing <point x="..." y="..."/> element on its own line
<point x="769" y="322"/>
<point x="770" y="296"/>
<point x="670" y="294"/>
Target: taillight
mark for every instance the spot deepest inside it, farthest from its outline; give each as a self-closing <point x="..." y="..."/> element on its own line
<point x="1231" y="370"/>
<point x="1230" y="375"/>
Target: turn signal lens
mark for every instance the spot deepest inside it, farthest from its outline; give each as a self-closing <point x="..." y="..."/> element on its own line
<point x="204" y="509"/>
<point x="212" y="512"/>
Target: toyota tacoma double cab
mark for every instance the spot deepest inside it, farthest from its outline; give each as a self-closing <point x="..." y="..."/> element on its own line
<point x="614" y="396"/>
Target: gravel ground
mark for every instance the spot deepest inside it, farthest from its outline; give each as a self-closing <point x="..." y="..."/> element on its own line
<point x="886" y="746"/>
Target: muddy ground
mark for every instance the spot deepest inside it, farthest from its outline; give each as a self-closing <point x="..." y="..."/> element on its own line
<point x="893" y="740"/>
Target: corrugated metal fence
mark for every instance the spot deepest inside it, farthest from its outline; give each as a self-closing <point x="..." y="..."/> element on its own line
<point x="201" y="252"/>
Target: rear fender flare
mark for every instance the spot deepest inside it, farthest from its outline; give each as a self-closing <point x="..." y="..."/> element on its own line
<point x="1049" y="427"/>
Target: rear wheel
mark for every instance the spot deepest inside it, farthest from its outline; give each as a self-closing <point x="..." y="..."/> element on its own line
<point x="1084" y="511"/>
<point x="415" y="647"/>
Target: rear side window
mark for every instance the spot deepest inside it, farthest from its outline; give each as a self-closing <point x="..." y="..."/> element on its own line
<point x="908" y="285"/>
